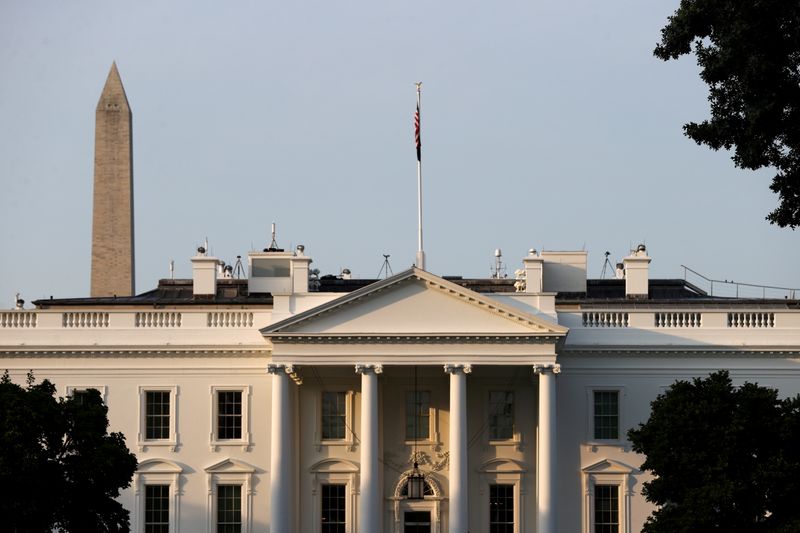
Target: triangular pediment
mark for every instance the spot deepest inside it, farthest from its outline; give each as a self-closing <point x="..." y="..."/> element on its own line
<point x="414" y="302"/>
<point x="609" y="466"/>
<point x="230" y="466"/>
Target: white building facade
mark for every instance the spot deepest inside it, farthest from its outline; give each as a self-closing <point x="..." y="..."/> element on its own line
<point x="280" y="404"/>
<point x="286" y="403"/>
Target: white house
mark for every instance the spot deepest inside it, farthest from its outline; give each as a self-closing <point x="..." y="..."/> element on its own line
<point x="283" y="403"/>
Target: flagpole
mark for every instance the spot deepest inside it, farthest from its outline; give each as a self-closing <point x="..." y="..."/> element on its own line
<point x="420" y="251"/>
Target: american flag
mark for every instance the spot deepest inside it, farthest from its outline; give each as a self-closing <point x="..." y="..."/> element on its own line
<point x="417" y="139"/>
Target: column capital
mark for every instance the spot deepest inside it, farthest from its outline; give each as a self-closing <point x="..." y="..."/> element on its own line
<point x="363" y="368"/>
<point x="280" y="368"/>
<point x="555" y="368"/>
<point x="454" y="368"/>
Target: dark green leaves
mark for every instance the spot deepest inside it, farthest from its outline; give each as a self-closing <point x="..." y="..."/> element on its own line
<point x="749" y="56"/>
<point x="59" y="468"/>
<point x="723" y="458"/>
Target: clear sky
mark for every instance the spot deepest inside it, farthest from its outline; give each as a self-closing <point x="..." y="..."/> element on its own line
<point x="547" y="124"/>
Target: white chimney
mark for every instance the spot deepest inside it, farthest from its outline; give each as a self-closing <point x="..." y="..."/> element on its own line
<point x="637" y="273"/>
<point x="564" y="271"/>
<point x="204" y="274"/>
<point x="279" y="273"/>
<point x="534" y="266"/>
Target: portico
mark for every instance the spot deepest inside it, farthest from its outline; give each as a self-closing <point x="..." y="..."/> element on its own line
<point x="359" y="350"/>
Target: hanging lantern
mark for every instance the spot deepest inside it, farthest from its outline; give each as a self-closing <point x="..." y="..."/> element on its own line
<point x="416" y="484"/>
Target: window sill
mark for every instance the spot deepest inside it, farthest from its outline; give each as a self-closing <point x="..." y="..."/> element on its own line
<point x="157" y="443"/>
<point x="332" y="443"/>
<point x="245" y="443"/>
<point x="515" y="441"/>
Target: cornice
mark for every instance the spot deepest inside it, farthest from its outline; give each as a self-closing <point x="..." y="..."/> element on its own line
<point x="679" y="351"/>
<point x="129" y="351"/>
<point x="305" y="338"/>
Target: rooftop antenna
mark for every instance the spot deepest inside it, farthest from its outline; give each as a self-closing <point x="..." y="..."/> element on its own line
<point x="386" y="268"/>
<point x="273" y="246"/>
<point x="499" y="269"/>
<point x="418" y="142"/>
<point x="606" y="265"/>
<point x="171" y="269"/>
<point x="238" y="270"/>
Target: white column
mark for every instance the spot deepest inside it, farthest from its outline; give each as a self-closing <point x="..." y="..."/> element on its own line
<point x="459" y="482"/>
<point x="371" y="504"/>
<point x="281" y="502"/>
<point x="546" y="479"/>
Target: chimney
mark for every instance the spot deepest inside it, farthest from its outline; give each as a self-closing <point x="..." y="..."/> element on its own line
<point x="279" y="273"/>
<point x="534" y="266"/>
<point x="564" y="271"/>
<point x="300" y="263"/>
<point x="204" y="274"/>
<point x="637" y="273"/>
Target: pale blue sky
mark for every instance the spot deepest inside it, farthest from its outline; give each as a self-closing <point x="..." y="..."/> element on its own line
<point x="546" y="124"/>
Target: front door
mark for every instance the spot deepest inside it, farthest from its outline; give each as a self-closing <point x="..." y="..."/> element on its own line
<point x="417" y="522"/>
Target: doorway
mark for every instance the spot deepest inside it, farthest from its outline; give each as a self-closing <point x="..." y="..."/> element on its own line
<point x="417" y="522"/>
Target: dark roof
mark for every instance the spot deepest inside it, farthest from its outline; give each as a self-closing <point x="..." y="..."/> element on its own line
<point x="172" y="292"/>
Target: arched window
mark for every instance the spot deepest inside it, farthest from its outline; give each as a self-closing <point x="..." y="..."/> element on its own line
<point x="427" y="492"/>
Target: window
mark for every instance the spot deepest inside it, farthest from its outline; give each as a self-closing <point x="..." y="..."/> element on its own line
<point x="79" y="392"/>
<point x="230" y="496"/>
<point x="501" y="415"/>
<point x="157" y="407"/>
<point x="156" y="509"/>
<point x="229" y="416"/>
<point x="418" y="416"/>
<point x="334" y="517"/>
<point x="606" y="509"/>
<point x="501" y="508"/>
<point x="229" y="508"/>
<point x="606" y="415"/>
<point x="157" y="506"/>
<point x="334" y="415"/>
<point x="158" y="416"/>
<point x="501" y="489"/>
<point x="80" y="396"/>
<point x="607" y="502"/>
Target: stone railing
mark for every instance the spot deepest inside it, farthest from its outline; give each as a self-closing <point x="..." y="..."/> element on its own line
<point x="751" y="320"/>
<point x="678" y="320"/>
<point x="85" y="319"/>
<point x="230" y="319"/>
<point x="48" y="320"/>
<point x="605" y="319"/>
<point x="158" y="319"/>
<point x="18" y="319"/>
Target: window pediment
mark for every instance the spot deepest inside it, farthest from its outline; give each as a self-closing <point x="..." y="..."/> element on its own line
<point x="159" y="466"/>
<point x="609" y="466"/>
<point x="231" y="466"/>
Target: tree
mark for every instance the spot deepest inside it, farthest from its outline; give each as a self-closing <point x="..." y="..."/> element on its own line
<point x="59" y="467"/>
<point x="749" y="55"/>
<point x="723" y="458"/>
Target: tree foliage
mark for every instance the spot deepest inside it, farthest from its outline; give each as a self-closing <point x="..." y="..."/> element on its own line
<point x="749" y="55"/>
<point x="59" y="467"/>
<point x="724" y="459"/>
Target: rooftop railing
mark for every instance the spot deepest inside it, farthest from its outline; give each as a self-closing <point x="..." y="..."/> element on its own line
<point x="736" y="289"/>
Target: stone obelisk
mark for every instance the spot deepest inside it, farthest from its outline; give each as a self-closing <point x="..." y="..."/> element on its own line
<point x="112" y="220"/>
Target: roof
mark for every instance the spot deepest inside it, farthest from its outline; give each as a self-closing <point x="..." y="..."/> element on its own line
<point x="178" y="292"/>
